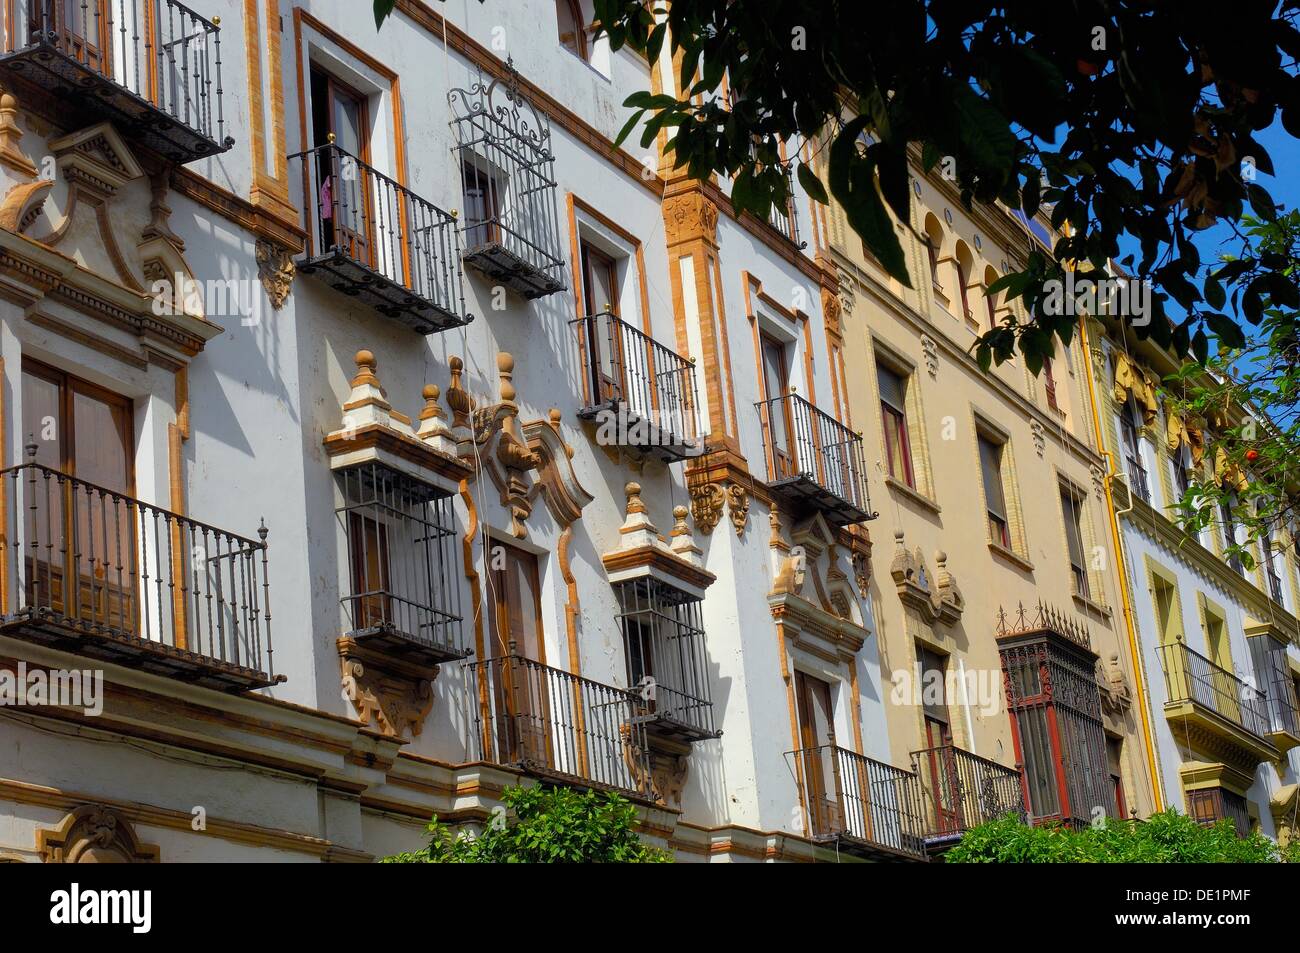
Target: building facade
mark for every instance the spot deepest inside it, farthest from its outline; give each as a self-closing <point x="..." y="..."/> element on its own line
<point x="1218" y="636"/>
<point x="994" y="590"/>
<point x="405" y="440"/>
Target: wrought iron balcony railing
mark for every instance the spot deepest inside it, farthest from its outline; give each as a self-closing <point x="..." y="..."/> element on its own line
<point x="557" y="725"/>
<point x="104" y="575"/>
<point x="403" y="569"/>
<point x="375" y="240"/>
<point x="639" y="391"/>
<point x="1191" y="677"/>
<point x="152" y="67"/>
<point x="960" y="790"/>
<point x="813" y="460"/>
<point x="868" y="805"/>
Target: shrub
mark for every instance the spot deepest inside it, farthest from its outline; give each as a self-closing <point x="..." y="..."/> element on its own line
<point x="549" y="825"/>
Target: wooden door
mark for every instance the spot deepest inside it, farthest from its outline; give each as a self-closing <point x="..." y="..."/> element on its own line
<point x="817" y="741"/>
<point x="521" y="680"/>
<point x="776" y="385"/>
<point x="345" y="205"/>
<point x="604" y="340"/>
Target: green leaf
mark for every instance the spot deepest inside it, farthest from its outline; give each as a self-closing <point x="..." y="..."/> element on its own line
<point x="628" y="127"/>
<point x="382" y="9"/>
<point x="1225" y="329"/>
<point x="811" y="184"/>
<point x="853" y="183"/>
<point x="983" y="131"/>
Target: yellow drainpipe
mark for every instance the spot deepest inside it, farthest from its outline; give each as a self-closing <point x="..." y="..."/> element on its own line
<point x="1117" y="540"/>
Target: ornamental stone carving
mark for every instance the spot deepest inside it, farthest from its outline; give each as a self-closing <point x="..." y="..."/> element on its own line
<point x="276" y="270"/>
<point x="94" y="834"/>
<point x="688" y="216"/>
<point x="393" y="695"/>
<point x="937" y="598"/>
<point x="706" y="506"/>
<point x="1116" y="696"/>
<point x="738" y="507"/>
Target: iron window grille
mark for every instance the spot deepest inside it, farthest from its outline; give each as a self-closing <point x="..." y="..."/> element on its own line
<point x="667" y="662"/>
<point x="1208" y="806"/>
<point x="403" y="591"/>
<point x="152" y="67"/>
<point x="1273" y="674"/>
<point x="1050" y="678"/>
<point x="511" y="222"/>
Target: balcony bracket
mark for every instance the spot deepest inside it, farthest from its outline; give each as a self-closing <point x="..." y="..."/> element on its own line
<point x="390" y="688"/>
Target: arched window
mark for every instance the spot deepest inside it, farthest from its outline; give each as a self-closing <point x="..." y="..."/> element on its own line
<point x="991" y="300"/>
<point x="573" y="34"/>
<point x="965" y="261"/>
<point x="933" y="242"/>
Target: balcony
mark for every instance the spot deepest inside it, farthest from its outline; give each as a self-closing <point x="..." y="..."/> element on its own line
<point x="813" y="462"/>
<point x="1203" y="698"/>
<point x="154" y="591"/>
<point x="959" y="790"/>
<point x="151" y="67"/>
<point x="558" y="726"/>
<point x="404" y="595"/>
<point x="639" y="392"/>
<point x="511" y="222"/>
<point x="377" y="241"/>
<point x="865" y="807"/>
<point x="663" y="636"/>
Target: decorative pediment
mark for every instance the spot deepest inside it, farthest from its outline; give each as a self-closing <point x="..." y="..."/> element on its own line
<point x="642" y="551"/>
<point x="96" y="154"/>
<point x="523" y="461"/>
<point x="94" y="834"/>
<point x="936" y="597"/>
<point x="373" y="431"/>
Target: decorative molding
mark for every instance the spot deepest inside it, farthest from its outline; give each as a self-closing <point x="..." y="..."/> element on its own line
<point x="688" y="216"/>
<point x="930" y="351"/>
<point x="394" y="695"/>
<point x="276" y="270"/>
<point x="1040" y="437"/>
<point x="94" y="834"/>
<point x="738" y="507"/>
<point x="706" y="506"/>
<point x="1116" y="695"/>
<point x="937" y="598"/>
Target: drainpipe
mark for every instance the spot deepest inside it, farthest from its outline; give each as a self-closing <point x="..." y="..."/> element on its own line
<point x="1116" y="538"/>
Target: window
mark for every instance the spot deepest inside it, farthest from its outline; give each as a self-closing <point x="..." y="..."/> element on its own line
<point x="1274" y="681"/>
<point x="776" y="385"/>
<point x="1182" y="471"/>
<point x="573" y="34"/>
<point x="1137" y="473"/>
<point x="1072" y="509"/>
<point x="521" y="685"/>
<point x="1049" y="383"/>
<point x="994" y="497"/>
<point x="663" y="635"/>
<point x="932" y="254"/>
<point x="482" y="205"/>
<point x="345" y="199"/>
<point x="1115" y="761"/>
<point x="817" y="740"/>
<point x="939" y="774"/>
<point x="990" y="299"/>
<point x="515" y="606"/>
<point x="1210" y="805"/>
<point x="79" y="428"/>
<point x="893" y="417"/>
<point x="604" y="337"/>
<point x="963" y="279"/>
<point x="85" y="535"/>
<point x="402" y="563"/>
<point x="1228" y="519"/>
<point x="1056" y="724"/>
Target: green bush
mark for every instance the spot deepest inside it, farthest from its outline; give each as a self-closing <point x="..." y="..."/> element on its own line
<point x="549" y="825"/>
<point x="1165" y="838"/>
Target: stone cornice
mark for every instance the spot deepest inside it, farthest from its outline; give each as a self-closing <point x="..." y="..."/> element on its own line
<point x="659" y="561"/>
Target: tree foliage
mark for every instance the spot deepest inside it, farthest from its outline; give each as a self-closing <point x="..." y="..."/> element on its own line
<point x="1126" y="119"/>
<point x="550" y="825"/>
<point x="1165" y="838"/>
<point x="1246" y="398"/>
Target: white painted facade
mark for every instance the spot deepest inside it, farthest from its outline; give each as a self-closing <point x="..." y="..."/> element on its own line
<point x="293" y="771"/>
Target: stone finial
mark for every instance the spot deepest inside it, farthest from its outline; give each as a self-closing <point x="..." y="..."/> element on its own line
<point x="637" y="529"/>
<point x="506" y="376"/>
<point x="10" y="152"/>
<point x="367" y="405"/>
<point x="681" y="540"/>
<point x="433" y="423"/>
<point x="458" y="399"/>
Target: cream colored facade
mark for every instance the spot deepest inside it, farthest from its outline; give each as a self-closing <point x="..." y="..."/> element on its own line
<point x="941" y="581"/>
